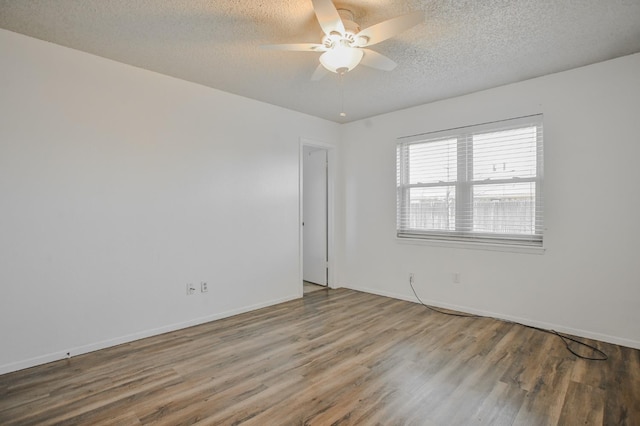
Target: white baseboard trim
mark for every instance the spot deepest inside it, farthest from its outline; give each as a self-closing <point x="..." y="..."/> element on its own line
<point x="540" y="324"/>
<point x="79" y="350"/>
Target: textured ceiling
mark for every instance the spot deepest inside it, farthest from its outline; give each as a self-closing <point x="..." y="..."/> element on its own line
<point x="463" y="46"/>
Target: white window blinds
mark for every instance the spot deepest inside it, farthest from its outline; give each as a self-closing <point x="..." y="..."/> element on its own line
<point x="479" y="183"/>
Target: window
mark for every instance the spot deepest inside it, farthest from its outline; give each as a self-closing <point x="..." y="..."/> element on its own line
<point x="480" y="183"/>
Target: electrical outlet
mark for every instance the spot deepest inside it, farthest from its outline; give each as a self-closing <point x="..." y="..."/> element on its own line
<point x="456" y="277"/>
<point x="411" y="277"/>
<point x="190" y="289"/>
<point x="203" y="287"/>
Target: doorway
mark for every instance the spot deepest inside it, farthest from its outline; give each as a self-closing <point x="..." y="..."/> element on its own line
<point x="316" y="204"/>
<point x="314" y="215"/>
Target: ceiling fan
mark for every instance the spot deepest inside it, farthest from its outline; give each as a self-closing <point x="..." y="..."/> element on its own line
<point x="344" y="44"/>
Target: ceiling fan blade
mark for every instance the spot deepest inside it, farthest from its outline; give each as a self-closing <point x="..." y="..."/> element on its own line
<point x="328" y="16"/>
<point x="298" y="47"/>
<point x="319" y="73"/>
<point x="389" y="28"/>
<point x="375" y="60"/>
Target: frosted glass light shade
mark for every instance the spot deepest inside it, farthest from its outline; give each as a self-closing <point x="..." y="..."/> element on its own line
<point x="341" y="57"/>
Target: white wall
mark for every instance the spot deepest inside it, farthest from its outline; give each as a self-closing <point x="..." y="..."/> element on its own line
<point x="118" y="186"/>
<point x="588" y="280"/>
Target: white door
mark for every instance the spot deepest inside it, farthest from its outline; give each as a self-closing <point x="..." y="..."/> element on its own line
<point x="314" y="211"/>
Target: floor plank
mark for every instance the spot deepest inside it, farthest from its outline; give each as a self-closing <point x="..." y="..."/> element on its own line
<point x="333" y="357"/>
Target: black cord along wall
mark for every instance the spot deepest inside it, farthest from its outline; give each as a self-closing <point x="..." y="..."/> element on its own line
<point x="599" y="355"/>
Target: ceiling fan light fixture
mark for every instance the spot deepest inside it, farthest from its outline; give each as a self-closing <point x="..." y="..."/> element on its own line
<point x="341" y="57"/>
<point x="345" y="45"/>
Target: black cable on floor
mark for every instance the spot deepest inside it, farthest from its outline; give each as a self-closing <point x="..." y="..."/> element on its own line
<point x="453" y="314"/>
<point x="565" y="339"/>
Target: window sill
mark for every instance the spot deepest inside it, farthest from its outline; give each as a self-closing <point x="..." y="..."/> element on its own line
<point x="508" y="248"/>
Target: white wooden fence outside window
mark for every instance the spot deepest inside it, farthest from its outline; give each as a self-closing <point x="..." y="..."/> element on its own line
<point x="480" y="183"/>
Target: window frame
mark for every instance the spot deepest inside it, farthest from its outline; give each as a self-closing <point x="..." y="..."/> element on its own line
<point x="464" y="184"/>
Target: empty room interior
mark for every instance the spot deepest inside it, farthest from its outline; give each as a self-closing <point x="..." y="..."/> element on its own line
<point x="364" y="212"/>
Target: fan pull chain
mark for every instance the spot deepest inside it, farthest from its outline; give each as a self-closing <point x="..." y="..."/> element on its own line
<point x="341" y="75"/>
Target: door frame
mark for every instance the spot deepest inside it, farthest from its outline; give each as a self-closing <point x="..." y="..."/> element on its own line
<point x="331" y="157"/>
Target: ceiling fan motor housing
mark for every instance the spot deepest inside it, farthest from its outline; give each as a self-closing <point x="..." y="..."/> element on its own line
<point x="351" y="28"/>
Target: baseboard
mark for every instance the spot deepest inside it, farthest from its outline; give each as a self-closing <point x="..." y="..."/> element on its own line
<point x="526" y="321"/>
<point x="79" y="350"/>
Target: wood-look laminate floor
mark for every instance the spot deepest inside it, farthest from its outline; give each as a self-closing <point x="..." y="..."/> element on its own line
<point x="311" y="287"/>
<point x="333" y="357"/>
